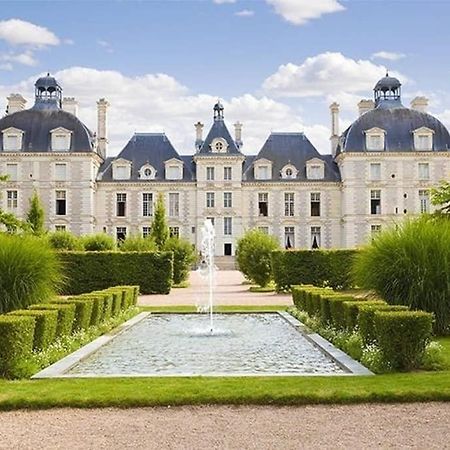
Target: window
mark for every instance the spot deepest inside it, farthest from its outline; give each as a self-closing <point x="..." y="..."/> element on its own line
<point x="219" y="146"/>
<point x="211" y="219"/>
<point x="61" y="139"/>
<point x="375" y="202"/>
<point x="263" y="173"/>
<point x="424" y="142"/>
<point x="60" y="228"/>
<point x="174" y="173"/>
<point x="174" y="204"/>
<point x="210" y="173"/>
<point x="121" y="172"/>
<point x="227" y="174"/>
<point x="12" y="139"/>
<point x="11" y="171"/>
<point x="121" y="233"/>
<point x="289" y="204"/>
<point x="60" y="203"/>
<point x="375" y="230"/>
<point x="315" y="204"/>
<point x="121" y="204"/>
<point x="375" y="142"/>
<point x="315" y="171"/>
<point x="60" y="171"/>
<point x="375" y="171"/>
<point x="424" y="171"/>
<point x="146" y="172"/>
<point x="227" y="200"/>
<point x="210" y="200"/>
<point x="227" y="226"/>
<point x="264" y="230"/>
<point x="11" y="199"/>
<point x="147" y="204"/>
<point x="263" y="204"/>
<point x="315" y="237"/>
<point x="146" y="231"/>
<point x="424" y="199"/>
<point x="174" y="232"/>
<point x="288" y="172"/>
<point x="289" y="237"/>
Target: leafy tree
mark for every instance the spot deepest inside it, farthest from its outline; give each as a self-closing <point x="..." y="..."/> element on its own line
<point x="138" y="244"/>
<point x="183" y="257"/>
<point x="160" y="230"/>
<point x="99" y="242"/>
<point x="441" y="197"/>
<point x="64" y="240"/>
<point x="36" y="215"/>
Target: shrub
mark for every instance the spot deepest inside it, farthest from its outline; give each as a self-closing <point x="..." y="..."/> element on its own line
<point x="16" y="343"/>
<point x="93" y="271"/>
<point x="98" y="306"/>
<point x="35" y="215"/>
<point x="30" y="272"/>
<point x="116" y="300"/>
<point x="63" y="240"/>
<point x="183" y="257"/>
<point x="100" y="242"/>
<point x="159" y="228"/>
<point x="351" y="310"/>
<point x="66" y="316"/>
<point x="107" y="307"/>
<point x="83" y="311"/>
<point x="410" y="266"/>
<point x="45" y="329"/>
<point x="253" y="252"/>
<point x="138" y="244"/>
<point x="402" y="337"/>
<point x="336" y="306"/>
<point x="317" y="267"/>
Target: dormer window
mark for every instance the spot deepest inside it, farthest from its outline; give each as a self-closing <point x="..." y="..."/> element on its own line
<point x="375" y="141"/>
<point x="61" y="139"/>
<point x="315" y="169"/>
<point x="289" y="172"/>
<point x="147" y="172"/>
<point x="174" y="169"/>
<point x="121" y="169"/>
<point x="263" y="169"/>
<point x="219" y="145"/>
<point x="12" y="139"/>
<point x="423" y="139"/>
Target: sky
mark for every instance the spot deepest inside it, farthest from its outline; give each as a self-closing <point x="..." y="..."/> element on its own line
<point x="275" y="64"/>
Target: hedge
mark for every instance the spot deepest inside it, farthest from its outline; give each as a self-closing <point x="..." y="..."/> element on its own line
<point x="93" y="271"/>
<point x="117" y="296"/>
<point x="16" y="343"/>
<point x="83" y="311"/>
<point x="45" y="329"/>
<point x="66" y="316"/>
<point x="317" y="267"/>
<point x="351" y="310"/>
<point x="402" y="336"/>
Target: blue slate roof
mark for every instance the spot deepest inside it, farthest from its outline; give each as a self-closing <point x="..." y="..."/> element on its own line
<point x="295" y="149"/>
<point x="218" y="130"/>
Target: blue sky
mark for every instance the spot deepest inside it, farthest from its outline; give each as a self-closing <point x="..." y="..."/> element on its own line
<point x="276" y="64"/>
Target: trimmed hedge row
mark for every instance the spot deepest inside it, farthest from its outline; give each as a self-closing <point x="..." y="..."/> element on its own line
<point x="401" y="335"/>
<point x="93" y="271"/>
<point x="23" y="331"/>
<point x="312" y="267"/>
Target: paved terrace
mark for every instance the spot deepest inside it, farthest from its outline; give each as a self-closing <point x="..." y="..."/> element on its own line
<point x="229" y="290"/>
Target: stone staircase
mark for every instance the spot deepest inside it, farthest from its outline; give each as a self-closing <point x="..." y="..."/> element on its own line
<point x="225" y="262"/>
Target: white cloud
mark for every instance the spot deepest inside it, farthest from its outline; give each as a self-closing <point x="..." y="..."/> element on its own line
<point x="6" y="66"/>
<point x="221" y="2"/>
<point x="106" y="45"/>
<point x="25" y="58"/>
<point x="389" y="56"/>
<point x="300" y="12"/>
<point x="20" y="32"/>
<point x="245" y="13"/>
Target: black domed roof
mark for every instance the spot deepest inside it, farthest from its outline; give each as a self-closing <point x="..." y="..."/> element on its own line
<point x="387" y="83"/>
<point x="46" y="82"/>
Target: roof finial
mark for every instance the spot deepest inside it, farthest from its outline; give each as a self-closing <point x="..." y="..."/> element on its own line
<point x="218" y="110"/>
<point x="387" y="72"/>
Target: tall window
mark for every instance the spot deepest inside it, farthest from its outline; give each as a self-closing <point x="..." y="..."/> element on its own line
<point x="60" y="171"/>
<point x="12" y="142"/>
<point x="60" y="228"/>
<point x="227" y="175"/>
<point x="424" y="171"/>
<point x="227" y="226"/>
<point x="121" y="233"/>
<point x="146" y="231"/>
<point x="263" y="172"/>
<point x="375" y="202"/>
<point x="121" y="204"/>
<point x="424" y="199"/>
<point x="315" y="204"/>
<point x="375" y="230"/>
<point x="289" y="237"/>
<point x="60" y="142"/>
<point x="289" y="204"/>
<point x="424" y="142"/>
<point x="227" y="200"/>
<point x="147" y="204"/>
<point x="315" y="172"/>
<point x="315" y="237"/>
<point x="174" y="232"/>
<point x="210" y="201"/>
<point x="174" y="204"/>
<point x="375" y="171"/>
<point x="375" y="142"/>
<point x="11" y="199"/>
<point x="264" y="230"/>
<point x="60" y="203"/>
<point x="210" y="173"/>
<point x="263" y="204"/>
<point x="11" y="171"/>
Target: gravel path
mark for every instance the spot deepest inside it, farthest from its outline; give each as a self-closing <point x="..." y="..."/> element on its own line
<point x="417" y="426"/>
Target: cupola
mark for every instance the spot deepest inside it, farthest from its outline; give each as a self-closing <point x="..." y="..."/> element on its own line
<point x="388" y="92"/>
<point x="48" y="93"/>
<point x="218" y="111"/>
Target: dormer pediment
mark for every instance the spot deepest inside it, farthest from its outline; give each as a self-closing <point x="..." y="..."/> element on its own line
<point x="12" y="139"/>
<point x="12" y="130"/>
<point x="315" y="161"/>
<point x="174" y="161"/>
<point x="119" y="161"/>
<point x="61" y="130"/>
<point x="262" y="161"/>
<point x="423" y="130"/>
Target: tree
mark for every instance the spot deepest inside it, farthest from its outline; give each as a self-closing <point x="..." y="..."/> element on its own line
<point x="36" y="215"/>
<point x="160" y="230"/>
<point x="183" y="257"/>
<point x="441" y="197"/>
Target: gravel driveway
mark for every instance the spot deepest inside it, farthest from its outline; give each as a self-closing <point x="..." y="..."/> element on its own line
<point x="418" y="426"/>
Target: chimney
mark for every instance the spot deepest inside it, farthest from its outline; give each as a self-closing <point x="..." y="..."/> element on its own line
<point x="238" y="134"/>
<point x="334" y="109"/>
<point x="365" y="106"/>
<point x="70" y="105"/>
<point x="198" y="135"/>
<point x="15" y="103"/>
<point x="102" y="128"/>
<point x="419" y="104"/>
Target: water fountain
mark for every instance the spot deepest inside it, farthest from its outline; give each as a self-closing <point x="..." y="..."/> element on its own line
<point x="208" y="267"/>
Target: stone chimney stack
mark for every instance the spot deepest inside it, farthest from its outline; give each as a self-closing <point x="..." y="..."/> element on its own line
<point x="419" y="104"/>
<point x="198" y="135"/>
<point x="334" y="139"/>
<point x="15" y="103"/>
<point x="365" y="106"/>
<point x="102" y="127"/>
<point x="70" y="105"/>
<point x="238" y="134"/>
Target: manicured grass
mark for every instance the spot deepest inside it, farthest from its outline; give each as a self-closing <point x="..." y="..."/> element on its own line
<point x="182" y="285"/>
<point x="220" y="309"/>
<point x="269" y="288"/>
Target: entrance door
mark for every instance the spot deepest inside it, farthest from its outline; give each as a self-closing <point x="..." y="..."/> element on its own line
<point x="227" y="249"/>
